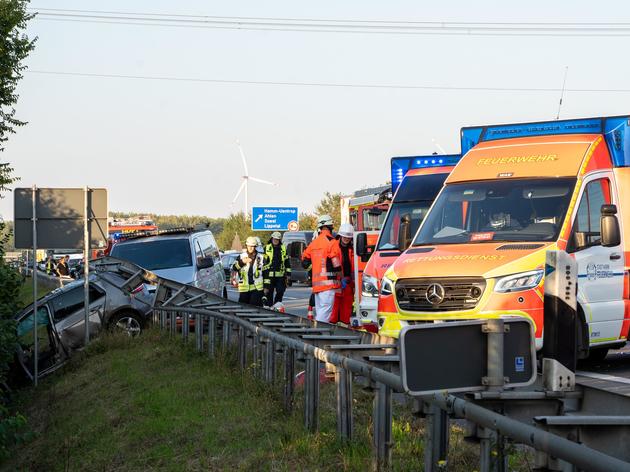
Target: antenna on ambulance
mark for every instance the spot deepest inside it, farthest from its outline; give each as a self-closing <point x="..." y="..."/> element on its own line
<point x="564" y="83"/>
<point x="437" y="145"/>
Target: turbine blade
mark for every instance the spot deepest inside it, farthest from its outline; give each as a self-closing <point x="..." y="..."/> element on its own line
<point x="261" y="181"/>
<point x="240" y="189"/>
<point x="240" y="149"/>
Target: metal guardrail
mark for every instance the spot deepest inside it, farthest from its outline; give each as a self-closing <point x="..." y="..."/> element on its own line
<point x="261" y="337"/>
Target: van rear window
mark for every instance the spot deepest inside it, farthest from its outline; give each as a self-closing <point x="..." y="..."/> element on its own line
<point x="156" y="254"/>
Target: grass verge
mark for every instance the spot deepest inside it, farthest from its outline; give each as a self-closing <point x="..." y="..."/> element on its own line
<point x="151" y="404"/>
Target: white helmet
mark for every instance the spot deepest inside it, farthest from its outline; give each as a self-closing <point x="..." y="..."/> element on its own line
<point x="276" y="235"/>
<point x="251" y="241"/>
<point x="346" y="230"/>
<point x="324" y="220"/>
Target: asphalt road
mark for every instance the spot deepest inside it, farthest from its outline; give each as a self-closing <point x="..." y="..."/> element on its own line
<point x="295" y="298"/>
<point x="616" y="364"/>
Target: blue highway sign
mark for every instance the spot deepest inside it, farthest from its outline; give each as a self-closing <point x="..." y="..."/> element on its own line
<point x="274" y="218"/>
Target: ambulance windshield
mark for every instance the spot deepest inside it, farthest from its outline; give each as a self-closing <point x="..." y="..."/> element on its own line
<point x="498" y="210"/>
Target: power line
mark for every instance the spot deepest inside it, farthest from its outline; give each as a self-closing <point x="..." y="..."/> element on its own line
<point x="519" y="23"/>
<point x="325" y="84"/>
<point x="338" y="26"/>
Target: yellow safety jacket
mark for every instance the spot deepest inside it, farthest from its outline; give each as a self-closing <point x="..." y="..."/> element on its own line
<point x="243" y="270"/>
<point x="285" y="263"/>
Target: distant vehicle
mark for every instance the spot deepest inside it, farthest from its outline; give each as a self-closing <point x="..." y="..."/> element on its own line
<point x="296" y="242"/>
<point x="182" y="255"/>
<point x="227" y="260"/>
<point x="61" y="319"/>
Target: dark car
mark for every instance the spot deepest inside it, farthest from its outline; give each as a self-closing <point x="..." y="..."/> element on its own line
<point x="296" y="242"/>
<point x="61" y="319"/>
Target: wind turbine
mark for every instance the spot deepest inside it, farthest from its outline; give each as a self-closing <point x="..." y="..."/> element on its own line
<point x="246" y="178"/>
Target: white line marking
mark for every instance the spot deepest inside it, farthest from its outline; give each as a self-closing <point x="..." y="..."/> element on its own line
<point x="611" y="378"/>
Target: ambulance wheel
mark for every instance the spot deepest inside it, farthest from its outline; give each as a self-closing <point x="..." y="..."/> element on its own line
<point x="597" y="355"/>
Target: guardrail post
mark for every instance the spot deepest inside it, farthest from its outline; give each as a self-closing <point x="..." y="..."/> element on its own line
<point x="242" y="347"/>
<point x="162" y="319"/>
<point x="436" y="438"/>
<point x="199" y="332"/>
<point x="289" y="373"/>
<point x="227" y="333"/>
<point x="270" y="361"/>
<point x="382" y="423"/>
<point x="256" y="355"/>
<point x="343" y="382"/>
<point x="212" y="336"/>
<point x="185" y="326"/>
<point x="173" y="322"/>
<point x="311" y="394"/>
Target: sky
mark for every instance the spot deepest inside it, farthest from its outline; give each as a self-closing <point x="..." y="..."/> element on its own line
<point x="169" y="146"/>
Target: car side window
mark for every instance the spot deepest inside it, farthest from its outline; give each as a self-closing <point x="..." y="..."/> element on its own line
<point x="198" y="250"/>
<point x="72" y="301"/>
<point x="588" y="218"/>
<point x="208" y="247"/>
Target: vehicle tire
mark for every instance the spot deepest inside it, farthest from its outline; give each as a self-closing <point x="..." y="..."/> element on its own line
<point x="598" y="354"/>
<point x="128" y="322"/>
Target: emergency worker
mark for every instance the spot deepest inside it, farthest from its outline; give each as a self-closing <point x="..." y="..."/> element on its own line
<point x="342" y="257"/>
<point x="326" y="282"/>
<point x="249" y="267"/>
<point x="277" y="270"/>
<point x="50" y="265"/>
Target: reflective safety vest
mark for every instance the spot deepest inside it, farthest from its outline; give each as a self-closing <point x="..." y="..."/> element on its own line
<point x="285" y="264"/>
<point x="242" y="269"/>
<point x="325" y="274"/>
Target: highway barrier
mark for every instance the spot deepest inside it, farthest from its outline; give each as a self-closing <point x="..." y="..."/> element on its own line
<point x="581" y="428"/>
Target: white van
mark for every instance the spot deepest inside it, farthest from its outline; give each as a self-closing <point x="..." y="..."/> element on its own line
<point x="185" y="256"/>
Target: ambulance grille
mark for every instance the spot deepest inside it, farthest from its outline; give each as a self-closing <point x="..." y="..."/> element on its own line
<point x="451" y="294"/>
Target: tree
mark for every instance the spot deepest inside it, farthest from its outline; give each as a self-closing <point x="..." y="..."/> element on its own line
<point x="308" y="222"/>
<point x="241" y="225"/>
<point x="331" y="205"/>
<point x="14" y="48"/>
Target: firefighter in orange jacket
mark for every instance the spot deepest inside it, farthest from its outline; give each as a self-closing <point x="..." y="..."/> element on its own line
<point x="342" y="257"/>
<point x="325" y="279"/>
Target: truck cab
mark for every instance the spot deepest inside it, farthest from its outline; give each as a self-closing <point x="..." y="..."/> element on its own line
<point x="519" y="191"/>
<point x="416" y="180"/>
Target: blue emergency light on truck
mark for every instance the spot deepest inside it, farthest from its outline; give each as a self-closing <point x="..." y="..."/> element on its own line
<point x="401" y="165"/>
<point x="615" y="129"/>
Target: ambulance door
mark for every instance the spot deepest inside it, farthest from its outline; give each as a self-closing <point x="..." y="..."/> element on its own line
<point x="600" y="269"/>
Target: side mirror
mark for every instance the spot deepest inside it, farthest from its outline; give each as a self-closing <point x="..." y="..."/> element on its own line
<point x="205" y="262"/>
<point x="404" y="234"/>
<point x="362" y="245"/>
<point x="610" y="233"/>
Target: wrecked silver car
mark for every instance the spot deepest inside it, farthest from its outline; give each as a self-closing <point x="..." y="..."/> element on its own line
<point x="61" y="319"/>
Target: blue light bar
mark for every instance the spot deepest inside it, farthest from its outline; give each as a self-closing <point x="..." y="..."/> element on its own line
<point x="401" y="165"/>
<point x="616" y="132"/>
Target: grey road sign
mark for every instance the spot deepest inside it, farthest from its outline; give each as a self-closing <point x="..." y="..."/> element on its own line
<point x="454" y="356"/>
<point x="60" y="218"/>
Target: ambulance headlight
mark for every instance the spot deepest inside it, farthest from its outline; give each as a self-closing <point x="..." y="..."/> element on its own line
<point x="519" y="282"/>
<point x="369" y="286"/>
<point x="387" y="286"/>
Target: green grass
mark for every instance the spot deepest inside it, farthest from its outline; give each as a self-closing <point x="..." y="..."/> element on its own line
<point x="26" y="292"/>
<point x="152" y="404"/>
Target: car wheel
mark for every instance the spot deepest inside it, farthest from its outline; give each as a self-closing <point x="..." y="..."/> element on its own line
<point x="127" y="322"/>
